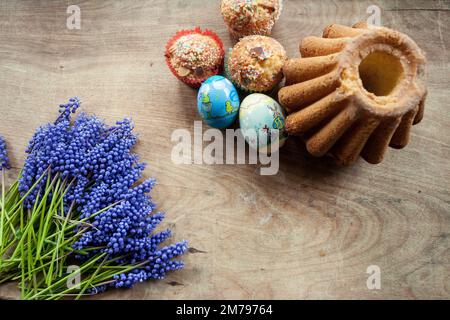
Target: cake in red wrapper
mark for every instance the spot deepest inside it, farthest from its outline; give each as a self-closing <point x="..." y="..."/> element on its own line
<point x="194" y="55"/>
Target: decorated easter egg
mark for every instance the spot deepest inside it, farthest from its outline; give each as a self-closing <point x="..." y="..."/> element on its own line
<point x="218" y="102"/>
<point x="262" y="122"/>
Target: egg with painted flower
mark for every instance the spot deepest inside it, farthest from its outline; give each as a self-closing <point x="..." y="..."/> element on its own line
<point x="218" y="102"/>
<point x="262" y="122"/>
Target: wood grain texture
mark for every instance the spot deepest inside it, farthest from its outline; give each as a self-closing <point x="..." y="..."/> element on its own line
<point x="308" y="232"/>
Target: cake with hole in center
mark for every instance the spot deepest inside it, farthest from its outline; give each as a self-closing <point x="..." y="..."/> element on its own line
<point x="355" y="91"/>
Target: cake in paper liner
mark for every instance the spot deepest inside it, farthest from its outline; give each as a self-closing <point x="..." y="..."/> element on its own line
<point x="194" y="55"/>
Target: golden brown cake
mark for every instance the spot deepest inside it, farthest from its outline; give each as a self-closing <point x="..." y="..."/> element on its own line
<point x="355" y="91"/>
<point x="250" y="17"/>
<point x="255" y="63"/>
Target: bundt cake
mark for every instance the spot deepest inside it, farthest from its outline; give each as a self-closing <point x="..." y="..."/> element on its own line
<point x="355" y="91"/>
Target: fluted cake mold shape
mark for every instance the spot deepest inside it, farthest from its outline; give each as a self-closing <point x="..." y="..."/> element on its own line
<point x="355" y="92"/>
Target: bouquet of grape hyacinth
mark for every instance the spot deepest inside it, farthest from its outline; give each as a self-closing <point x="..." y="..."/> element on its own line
<point x="78" y="201"/>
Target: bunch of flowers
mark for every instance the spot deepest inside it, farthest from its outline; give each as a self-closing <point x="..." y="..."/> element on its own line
<point x="83" y="181"/>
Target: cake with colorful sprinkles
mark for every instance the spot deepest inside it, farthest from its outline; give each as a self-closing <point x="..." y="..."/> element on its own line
<point x="250" y="17"/>
<point x="194" y="55"/>
<point x="255" y="63"/>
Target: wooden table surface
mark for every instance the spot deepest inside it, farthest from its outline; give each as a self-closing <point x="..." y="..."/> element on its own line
<point x="312" y="230"/>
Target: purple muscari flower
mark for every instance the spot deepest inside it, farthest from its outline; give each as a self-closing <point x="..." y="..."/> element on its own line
<point x="4" y="160"/>
<point x="66" y="109"/>
<point x="156" y="266"/>
<point x="98" y="160"/>
<point x="98" y="289"/>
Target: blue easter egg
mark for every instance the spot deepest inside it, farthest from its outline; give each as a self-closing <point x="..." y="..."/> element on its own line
<point x="218" y="102"/>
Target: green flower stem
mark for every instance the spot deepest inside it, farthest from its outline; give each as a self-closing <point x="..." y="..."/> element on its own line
<point x="22" y="199"/>
<point x="37" y="214"/>
<point x="64" y="279"/>
<point x="43" y="231"/>
<point x="99" y="279"/>
<point x="57" y="245"/>
<point x="90" y="279"/>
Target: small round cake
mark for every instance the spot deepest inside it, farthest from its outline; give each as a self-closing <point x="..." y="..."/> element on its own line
<point x="194" y="55"/>
<point x="255" y="63"/>
<point x="250" y="17"/>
